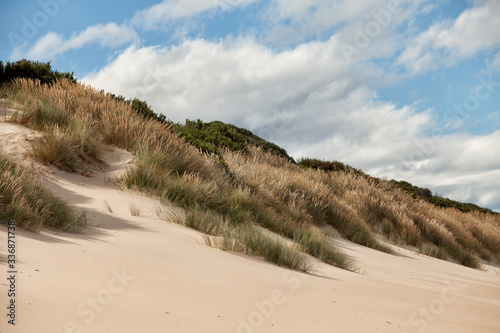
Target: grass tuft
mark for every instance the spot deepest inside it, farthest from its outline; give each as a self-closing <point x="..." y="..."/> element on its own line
<point x="135" y="210"/>
<point x="108" y="206"/>
<point x="24" y="200"/>
<point x="56" y="148"/>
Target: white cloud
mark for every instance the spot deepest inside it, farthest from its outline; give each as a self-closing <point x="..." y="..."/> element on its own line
<point x="165" y="12"/>
<point x="295" y="21"/>
<point x="447" y="42"/>
<point x="46" y="47"/>
<point x="317" y="15"/>
<point x="52" y="44"/>
<point x="363" y="133"/>
<point x="285" y="22"/>
<point x="464" y="167"/>
<point x="107" y="35"/>
<point x="239" y="81"/>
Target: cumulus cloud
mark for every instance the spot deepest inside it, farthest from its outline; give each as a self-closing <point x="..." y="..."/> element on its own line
<point x="52" y="44"/>
<point x="296" y="21"/>
<point x="240" y="81"/>
<point x="447" y="42"/>
<point x="461" y="166"/>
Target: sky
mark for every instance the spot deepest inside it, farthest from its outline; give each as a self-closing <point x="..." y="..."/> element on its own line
<point x="406" y="89"/>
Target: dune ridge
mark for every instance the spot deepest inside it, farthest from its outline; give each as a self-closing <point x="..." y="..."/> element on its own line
<point x="126" y="273"/>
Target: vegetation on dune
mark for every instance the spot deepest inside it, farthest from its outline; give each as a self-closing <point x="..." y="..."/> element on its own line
<point x="24" y="200"/>
<point x="166" y="165"/>
<point x="141" y="107"/>
<point x="416" y="192"/>
<point x="427" y="195"/>
<point x="245" y="237"/>
<point x="226" y="208"/>
<point x="307" y="195"/>
<point x="215" y="136"/>
<point x="32" y="70"/>
<point x="260" y="202"/>
<point x="328" y="166"/>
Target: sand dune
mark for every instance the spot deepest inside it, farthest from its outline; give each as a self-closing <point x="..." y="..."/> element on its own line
<point x="128" y="273"/>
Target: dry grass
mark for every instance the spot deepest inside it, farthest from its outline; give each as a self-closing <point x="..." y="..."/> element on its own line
<point x="135" y="210"/>
<point x="108" y="206"/>
<point x="24" y="200"/>
<point x="302" y="195"/>
<point x="245" y="238"/>
<point x="403" y="219"/>
<point x="64" y="104"/>
<point x="255" y="190"/>
<point x="358" y="207"/>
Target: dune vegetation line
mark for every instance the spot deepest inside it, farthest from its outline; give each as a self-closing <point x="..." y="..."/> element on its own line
<point x="255" y="202"/>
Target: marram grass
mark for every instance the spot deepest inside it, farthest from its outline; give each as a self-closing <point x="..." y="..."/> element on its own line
<point x="253" y="190"/>
<point x="24" y="200"/>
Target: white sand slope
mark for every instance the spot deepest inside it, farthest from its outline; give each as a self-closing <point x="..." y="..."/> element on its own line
<point x="129" y="273"/>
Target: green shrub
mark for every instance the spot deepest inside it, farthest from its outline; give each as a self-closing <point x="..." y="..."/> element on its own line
<point x="426" y="194"/>
<point x="328" y="166"/>
<point x="32" y="70"/>
<point x="216" y="136"/>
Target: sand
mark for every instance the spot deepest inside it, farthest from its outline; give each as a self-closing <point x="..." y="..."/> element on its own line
<point x="127" y="273"/>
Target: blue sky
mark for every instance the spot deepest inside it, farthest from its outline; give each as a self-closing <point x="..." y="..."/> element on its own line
<point x="406" y="89"/>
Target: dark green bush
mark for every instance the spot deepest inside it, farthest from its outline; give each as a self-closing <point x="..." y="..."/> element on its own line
<point x="329" y="166"/>
<point x="215" y="136"/>
<point x="141" y="107"/>
<point x="427" y="195"/>
<point x="32" y="70"/>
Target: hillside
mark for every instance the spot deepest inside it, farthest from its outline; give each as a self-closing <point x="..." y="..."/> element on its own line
<point x="133" y="270"/>
<point x="216" y="136"/>
<point x="106" y="190"/>
<point x="257" y="186"/>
